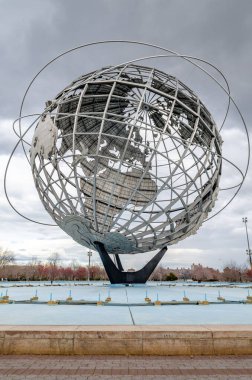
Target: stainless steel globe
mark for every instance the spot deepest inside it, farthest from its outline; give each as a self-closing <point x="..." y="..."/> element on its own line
<point x="130" y="151"/>
<point x="129" y="157"/>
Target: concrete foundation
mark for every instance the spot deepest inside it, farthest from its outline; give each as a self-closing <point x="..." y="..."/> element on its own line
<point x="127" y="340"/>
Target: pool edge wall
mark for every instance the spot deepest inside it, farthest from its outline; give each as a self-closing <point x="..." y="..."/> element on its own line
<point x="127" y="340"/>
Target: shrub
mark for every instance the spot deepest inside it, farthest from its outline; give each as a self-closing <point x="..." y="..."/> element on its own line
<point x="171" y="277"/>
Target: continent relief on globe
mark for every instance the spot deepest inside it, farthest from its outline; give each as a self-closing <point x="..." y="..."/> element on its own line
<point x="44" y="139"/>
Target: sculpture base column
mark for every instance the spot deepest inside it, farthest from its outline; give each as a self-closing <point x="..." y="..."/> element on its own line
<point x="118" y="276"/>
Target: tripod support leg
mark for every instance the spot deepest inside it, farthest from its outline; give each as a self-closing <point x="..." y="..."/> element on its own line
<point x="118" y="276"/>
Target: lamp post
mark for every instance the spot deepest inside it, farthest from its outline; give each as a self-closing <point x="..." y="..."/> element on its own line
<point x="248" y="251"/>
<point x="89" y="259"/>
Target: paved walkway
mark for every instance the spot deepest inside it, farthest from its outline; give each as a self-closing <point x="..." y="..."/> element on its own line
<point x="125" y="368"/>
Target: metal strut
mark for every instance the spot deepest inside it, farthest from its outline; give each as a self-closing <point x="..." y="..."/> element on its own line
<point x="118" y="276"/>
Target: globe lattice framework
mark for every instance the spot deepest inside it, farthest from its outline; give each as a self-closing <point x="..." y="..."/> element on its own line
<point x="128" y="158"/>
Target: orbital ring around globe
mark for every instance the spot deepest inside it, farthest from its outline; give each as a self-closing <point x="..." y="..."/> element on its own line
<point x="175" y="54"/>
<point x="151" y="135"/>
<point x="164" y="56"/>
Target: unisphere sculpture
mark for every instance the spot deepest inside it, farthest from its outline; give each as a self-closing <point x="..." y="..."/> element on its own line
<point x="127" y="159"/>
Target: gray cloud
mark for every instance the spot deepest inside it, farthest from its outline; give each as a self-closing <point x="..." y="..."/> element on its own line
<point x="34" y="31"/>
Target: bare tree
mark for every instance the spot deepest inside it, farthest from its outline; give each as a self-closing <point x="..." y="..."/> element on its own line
<point x="232" y="272"/>
<point x="6" y="257"/>
<point x="34" y="261"/>
<point x="249" y="274"/>
<point x="74" y="264"/>
<point x="53" y="260"/>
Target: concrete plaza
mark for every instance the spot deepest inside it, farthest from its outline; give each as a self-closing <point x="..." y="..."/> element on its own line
<point x="125" y="367"/>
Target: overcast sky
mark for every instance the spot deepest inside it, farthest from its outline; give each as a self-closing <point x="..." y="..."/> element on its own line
<point x="32" y="32"/>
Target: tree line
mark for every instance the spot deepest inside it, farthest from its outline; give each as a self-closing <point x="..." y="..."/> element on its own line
<point x="52" y="270"/>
